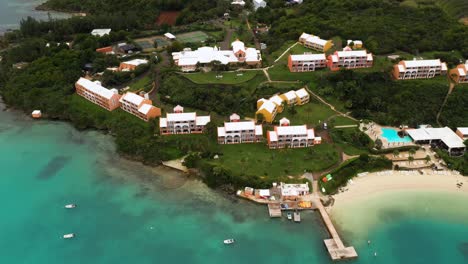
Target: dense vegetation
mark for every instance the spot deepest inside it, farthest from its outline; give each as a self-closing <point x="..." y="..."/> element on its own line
<point x="384" y="25"/>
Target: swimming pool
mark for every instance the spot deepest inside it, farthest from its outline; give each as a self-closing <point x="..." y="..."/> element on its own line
<point x="392" y="136"/>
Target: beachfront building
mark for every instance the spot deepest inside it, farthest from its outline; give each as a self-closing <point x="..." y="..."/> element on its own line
<point x="350" y="59"/>
<point x="132" y="64"/>
<point x="306" y="62"/>
<point x="442" y="137"/>
<point x="460" y="73"/>
<point x="293" y="191"/>
<point x="258" y="4"/>
<point x="189" y="60"/>
<point x="95" y="93"/>
<point x="286" y="136"/>
<point x="139" y="106"/>
<point x="268" y="108"/>
<point x="355" y="44"/>
<point x="298" y="97"/>
<point x="462" y="132"/>
<point x="418" y="69"/>
<point x="237" y="132"/>
<point x="315" y="42"/>
<point x="183" y="123"/>
<point x="100" y="32"/>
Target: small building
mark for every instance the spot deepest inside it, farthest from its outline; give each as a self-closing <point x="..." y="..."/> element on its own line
<point x="237" y="132"/>
<point x="139" y="106"/>
<point x="131" y="65"/>
<point x="259" y="4"/>
<point x="106" y="50"/>
<point x="419" y="69"/>
<point x="460" y="73"/>
<point x="127" y="48"/>
<point x="442" y="137"/>
<point x="36" y="114"/>
<point x="269" y="108"/>
<point x="315" y="42"/>
<point x="170" y="36"/>
<point x="183" y="123"/>
<point x="306" y="62"/>
<point x="293" y="191"/>
<point x="462" y="132"/>
<point x="286" y="136"/>
<point x="350" y="60"/>
<point x="95" y="93"/>
<point x="355" y="44"/>
<point x="240" y="3"/>
<point x="100" y="32"/>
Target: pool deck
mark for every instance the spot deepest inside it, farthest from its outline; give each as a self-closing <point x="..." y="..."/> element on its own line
<point x="374" y="131"/>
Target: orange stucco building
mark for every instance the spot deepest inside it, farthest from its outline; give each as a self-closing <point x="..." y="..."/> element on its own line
<point x="139" y="106"/>
<point x="95" y="93"/>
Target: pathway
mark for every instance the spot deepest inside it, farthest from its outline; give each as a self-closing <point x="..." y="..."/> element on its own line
<point x="329" y="105"/>
<point x="451" y="86"/>
<point x="292" y="46"/>
<point x="165" y="62"/>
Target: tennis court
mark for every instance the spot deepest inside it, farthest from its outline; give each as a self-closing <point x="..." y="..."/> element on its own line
<point x="144" y="44"/>
<point x="148" y="43"/>
<point x="192" y="37"/>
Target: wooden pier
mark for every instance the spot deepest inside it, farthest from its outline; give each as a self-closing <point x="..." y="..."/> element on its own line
<point x="274" y="209"/>
<point x="334" y="245"/>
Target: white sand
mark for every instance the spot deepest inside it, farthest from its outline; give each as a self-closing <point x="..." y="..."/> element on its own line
<point x="378" y="183"/>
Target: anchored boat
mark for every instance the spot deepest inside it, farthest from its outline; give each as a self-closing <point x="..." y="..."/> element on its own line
<point x="229" y="241"/>
<point x="70" y="206"/>
<point x="68" y="236"/>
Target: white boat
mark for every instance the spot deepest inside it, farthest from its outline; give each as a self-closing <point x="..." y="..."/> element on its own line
<point x="289" y="216"/>
<point x="68" y="236"/>
<point x="229" y="241"/>
<point x="70" y="206"/>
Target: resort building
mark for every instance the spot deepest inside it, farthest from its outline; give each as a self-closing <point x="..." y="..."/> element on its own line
<point x="350" y="60"/>
<point x="131" y="65"/>
<point x="183" y="123"/>
<point x="298" y="97"/>
<point x="356" y="44"/>
<point x="293" y="191"/>
<point x="139" y="106"/>
<point x="269" y="108"/>
<point x="306" y="62"/>
<point x="106" y="50"/>
<point x="240" y="3"/>
<point x="462" y="132"/>
<point x="315" y="43"/>
<point x="236" y="131"/>
<point x="100" y="32"/>
<point x="419" y="69"/>
<point x="258" y="4"/>
<point x="442" y="137"/>
<point x="169" y="36"/>
<point x="286" y="136"/>
<point x="94" y="92"/>
<point x="460" y="73"/>
<point x="189" y="60"/>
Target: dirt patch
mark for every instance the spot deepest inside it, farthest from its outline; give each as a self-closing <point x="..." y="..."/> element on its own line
<point x="167" y="17"/>
<point x="464" y="21"/>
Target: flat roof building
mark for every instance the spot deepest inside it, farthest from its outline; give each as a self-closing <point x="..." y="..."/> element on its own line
<point x="132" y="64"/>
<point x="294" y="190"/>
<point x="350" y="59"/>
<point x="286" y="136"/>
<point x="95" y="93"/>
<point x="306" y="62"/>
<point x="100" y="32"/>
<point x="236" y="132"/>
<point x="419" y="69"/>
<point x="183" y="123"/>
<point x="443" y="137"/>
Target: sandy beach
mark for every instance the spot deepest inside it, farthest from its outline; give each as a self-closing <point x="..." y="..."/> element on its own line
<point x="390" y="181"/>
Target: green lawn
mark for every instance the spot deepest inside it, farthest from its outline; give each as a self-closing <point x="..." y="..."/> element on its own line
<point x="280" y="72"/>
<point x="311" y="114"/>
<point x="142" y="84"/>
<point x="342" y="121"/>
<point x="228" y="77"/>
<point x="258" y="159"/>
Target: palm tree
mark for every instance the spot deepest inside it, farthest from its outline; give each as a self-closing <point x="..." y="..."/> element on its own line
<point x="412" y="152"/>
<point x="396" y="153"/>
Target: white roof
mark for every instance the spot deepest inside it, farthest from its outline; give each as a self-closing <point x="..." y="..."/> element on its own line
<point x="334" y="58"/>
<point x="310" y="133"/>
<point x="258" y="130"/>
<point x="145" y="108"/>
<point x="259" y="1"/>
<point x="316" y="40"/>
<point x="308" y="57"/>
<point x="238" y="45"/>
<point x="401" y="68"/>
<point x="234" y="117"/>
<point x="293" y="189"/>
<point x="181" y="117"/>
<point x="284" y="120"/>
<point x="352" y="53"/>
<point x="273" y="136"/>
<point x="238" y="2"/>
<point x="302" y="93"/>
<point x="264" y="192"/>
<point x="239" y="126"/>
<point x="95" y="88"/>
<point x="36" y="112"/>
<point x="463" y="130"/>
<point x="445" y="134"/>
<point x="202" y="120"/>
<point x="290" y="95"/>
<point x="136" y="62"/>
<point x="291" y="130"/>
<point x="422" y="63"/>
<point x="369" y="57"/>
<point x="101" y="32"/>
<point x="162" y="122"/>
<point x="276" y="99"/>
<point x="268" y="105"/>
<point x="178" y="108"/>
<point x="305" y="35"/>
<point x="132" y="98"/>
<point x="204" y="55"/>
<point x="443" y="66"/>
<point x="221" y="132"/>
<point x="169" y="35"/>
<point x="461" y="72"/>
<point x="252" y="55"/>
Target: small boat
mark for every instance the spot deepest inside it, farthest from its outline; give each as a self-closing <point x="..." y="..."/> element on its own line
<point x="297" y="217"/>
<point x="229" y="241"/>
<point x="70" y="206"/>
<point x="68" y="236"/>
<point x="289" y="216"/>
